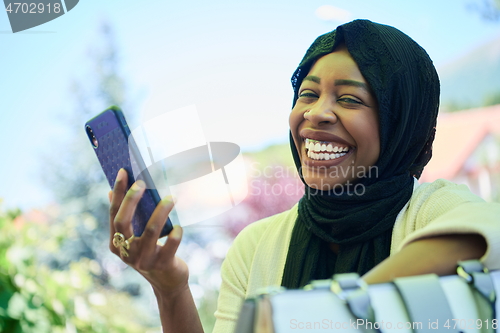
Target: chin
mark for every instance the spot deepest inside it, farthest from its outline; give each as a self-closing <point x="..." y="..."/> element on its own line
<point x="342" y="186"/>
<point x="320" y="184"/>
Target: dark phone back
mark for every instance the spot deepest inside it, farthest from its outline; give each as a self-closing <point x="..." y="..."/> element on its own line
<point x="112" y="150"/>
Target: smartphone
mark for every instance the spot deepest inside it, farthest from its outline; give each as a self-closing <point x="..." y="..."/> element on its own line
<point x="110" y="137"/>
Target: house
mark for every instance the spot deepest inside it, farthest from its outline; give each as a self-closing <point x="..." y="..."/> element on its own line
<point x="466" y="150"/>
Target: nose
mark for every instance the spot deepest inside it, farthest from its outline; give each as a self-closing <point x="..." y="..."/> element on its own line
<point x="321" y="112"/>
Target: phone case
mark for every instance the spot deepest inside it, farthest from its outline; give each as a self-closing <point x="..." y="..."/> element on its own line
<point x="112" y="133"/>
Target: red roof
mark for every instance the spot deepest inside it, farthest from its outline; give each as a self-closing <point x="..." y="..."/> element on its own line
<point x="457" y="136"/>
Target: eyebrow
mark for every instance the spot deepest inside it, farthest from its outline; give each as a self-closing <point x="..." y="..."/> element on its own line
<point x="351" y="83"/>
<point x="339" y="82"/>
<point x="312" y="78"/>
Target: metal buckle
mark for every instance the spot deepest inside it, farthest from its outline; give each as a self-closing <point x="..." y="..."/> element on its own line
<point x="344" y="284"/>
<point x="466" y="269"/>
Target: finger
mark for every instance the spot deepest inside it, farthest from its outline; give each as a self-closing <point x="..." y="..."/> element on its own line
<point x="117" y="195"/>
<point x="119" y="191"/>
<point x="155" y="225"/>
<point x="127" y="209"/>
<point x="110" y="196"/>
<point x="174" y="239"/>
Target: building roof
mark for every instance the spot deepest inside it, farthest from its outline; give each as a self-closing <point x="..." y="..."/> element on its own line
<point x="457" y="136"/>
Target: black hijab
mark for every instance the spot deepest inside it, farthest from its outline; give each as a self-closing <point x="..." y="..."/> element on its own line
<point x="406" y="86"/>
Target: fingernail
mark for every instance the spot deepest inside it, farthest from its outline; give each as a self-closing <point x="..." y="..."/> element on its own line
<point x="119" y="176"/>
<point x="138" y="185"/>
<point x="167" y="200"/>
<point x="176" y="233"/>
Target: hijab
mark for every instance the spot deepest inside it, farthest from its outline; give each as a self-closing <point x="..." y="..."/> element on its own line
<point x="405" y="84"/>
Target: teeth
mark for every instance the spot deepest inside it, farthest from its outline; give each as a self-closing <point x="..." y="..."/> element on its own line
<point x="317" y="147"/>
<point x="323" y="156"/>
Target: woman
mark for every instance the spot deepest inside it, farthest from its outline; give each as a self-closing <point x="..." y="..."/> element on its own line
<point x="362" y="126"/>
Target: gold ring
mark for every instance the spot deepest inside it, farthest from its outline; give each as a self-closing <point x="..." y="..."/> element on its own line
<point x="121" y="243"/>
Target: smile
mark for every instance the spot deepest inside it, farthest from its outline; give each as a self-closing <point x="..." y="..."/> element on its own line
<point x="324" y="150"/>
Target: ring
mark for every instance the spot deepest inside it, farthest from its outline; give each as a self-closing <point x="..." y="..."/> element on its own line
<point x="121" y="243"/>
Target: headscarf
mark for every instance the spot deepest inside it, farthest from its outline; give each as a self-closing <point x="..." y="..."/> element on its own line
<point x="405" y="84"/>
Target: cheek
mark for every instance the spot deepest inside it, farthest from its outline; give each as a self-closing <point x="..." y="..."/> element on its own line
<point x="371" y="140"/>
<point x="375" y="135"/>
<point x="294" y="121"/>
<point x="365" y="131"/>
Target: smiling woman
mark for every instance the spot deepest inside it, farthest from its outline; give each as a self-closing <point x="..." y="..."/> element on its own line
<point x="334" y="122"/>
<point x="365" y="97"/>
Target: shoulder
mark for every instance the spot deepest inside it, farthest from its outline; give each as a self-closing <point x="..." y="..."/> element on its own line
<point x="428" y="202"/>
<point x="431" y="200"/>
<point x="442" y="190"/>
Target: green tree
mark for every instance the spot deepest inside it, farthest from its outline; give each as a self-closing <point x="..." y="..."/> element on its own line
<point x="492" y="99"/>
<point x="35" y="298"/>
<point x="72" y="172"/>
<point x="79" y="185"/>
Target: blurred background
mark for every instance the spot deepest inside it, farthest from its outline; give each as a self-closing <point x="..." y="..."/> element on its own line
<point x="233" y="60"/>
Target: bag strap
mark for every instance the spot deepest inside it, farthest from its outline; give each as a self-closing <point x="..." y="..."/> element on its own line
<point x="354" y="292"/>
<point x="263" y="320"/>
<point x="425" y="302"/>
<point x="479" y="279"/>
<point x="246" y="319"/>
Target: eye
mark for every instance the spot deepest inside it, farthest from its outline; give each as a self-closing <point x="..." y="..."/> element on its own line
<point x="307" y="94"/>
<point x="349" y="101"/>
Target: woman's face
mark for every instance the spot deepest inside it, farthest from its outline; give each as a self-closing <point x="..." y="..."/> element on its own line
<point x="334" y="123"/>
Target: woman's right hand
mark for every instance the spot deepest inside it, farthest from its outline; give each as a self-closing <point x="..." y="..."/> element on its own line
<point x="167" y="273"/>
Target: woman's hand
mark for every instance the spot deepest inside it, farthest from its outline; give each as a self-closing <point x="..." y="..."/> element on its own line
<point x="167" y="273"/>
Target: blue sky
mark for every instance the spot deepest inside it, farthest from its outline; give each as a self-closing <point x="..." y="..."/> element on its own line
<point x="232" y="59"/>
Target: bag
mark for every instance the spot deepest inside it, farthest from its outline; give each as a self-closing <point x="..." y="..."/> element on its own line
<point x="462" y="303"/>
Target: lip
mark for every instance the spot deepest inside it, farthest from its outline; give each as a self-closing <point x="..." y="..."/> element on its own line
<point x="323" y="136"/>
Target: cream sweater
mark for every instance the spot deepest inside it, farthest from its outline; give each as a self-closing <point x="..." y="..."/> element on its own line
<point x="257" y="257"/>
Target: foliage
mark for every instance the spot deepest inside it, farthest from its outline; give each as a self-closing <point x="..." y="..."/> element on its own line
<point x="36" y="298"/>
<point x="492" y="99"/>
<point x="454" y="106"/>
<point x="72" y="171"/>
<point x="80" y="188"/>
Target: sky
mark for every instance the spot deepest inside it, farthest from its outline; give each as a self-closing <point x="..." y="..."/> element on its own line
<point x="231" y="59"/>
